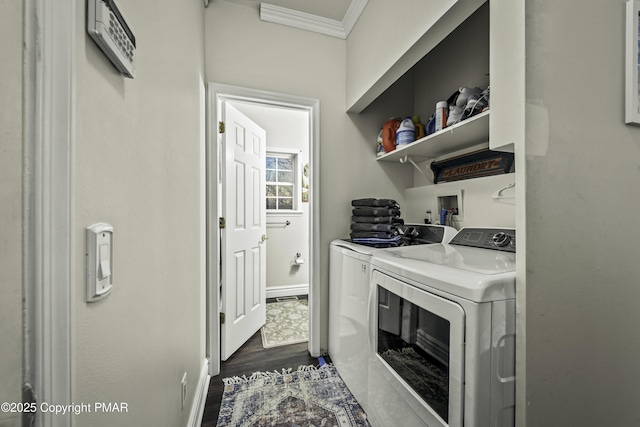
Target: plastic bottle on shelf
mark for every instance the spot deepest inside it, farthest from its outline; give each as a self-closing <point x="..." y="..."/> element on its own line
<point x="431" y="124"/>
<point x="420" y="128"/>
<point x="441" y="115"/>
<point x="389" y="133"/>
<point x="406" y="133"/>
<point x="379" y="146"/>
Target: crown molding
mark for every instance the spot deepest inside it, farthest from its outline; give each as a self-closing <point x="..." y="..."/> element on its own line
<point x="353" y="13"/>
<point x="309" y="22"/>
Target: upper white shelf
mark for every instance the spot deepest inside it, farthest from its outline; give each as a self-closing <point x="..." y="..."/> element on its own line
<point x="465" y="134"/>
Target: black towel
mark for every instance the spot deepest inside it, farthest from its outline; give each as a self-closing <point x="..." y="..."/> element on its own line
<point x="376" y="234"/>
<point x="389" y="203"/>
<point x="363" y="226"/>
<point x="378" y="219"/>
<point x="367" y="211"/>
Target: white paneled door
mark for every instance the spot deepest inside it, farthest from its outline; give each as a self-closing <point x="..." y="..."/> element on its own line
<point x="244" y="233"/>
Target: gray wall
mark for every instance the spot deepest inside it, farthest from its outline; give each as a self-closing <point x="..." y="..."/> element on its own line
<point x="479" y="208"/>
<point x="139" y="167"/>
<point x="11" y="221"/>
<point x="455" y="62"/>
<point x="383" y="34"/>
<point x="582" y="342"/>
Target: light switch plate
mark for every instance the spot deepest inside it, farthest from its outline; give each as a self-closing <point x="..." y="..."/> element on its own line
<point x="99" y="261"/>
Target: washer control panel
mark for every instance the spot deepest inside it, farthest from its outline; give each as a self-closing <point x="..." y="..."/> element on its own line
<point x="487" y="238"/>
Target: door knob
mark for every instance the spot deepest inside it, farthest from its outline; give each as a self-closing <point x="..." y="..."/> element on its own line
<point x="264" y="237"/>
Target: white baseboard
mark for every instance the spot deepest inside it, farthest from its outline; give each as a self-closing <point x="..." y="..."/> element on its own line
<point x="200" y="398"/>
<point x="286" y="291"/>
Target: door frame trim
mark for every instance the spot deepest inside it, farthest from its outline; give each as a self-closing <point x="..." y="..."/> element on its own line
<point x="49" y="203"/>
<point x="216" y="92"/>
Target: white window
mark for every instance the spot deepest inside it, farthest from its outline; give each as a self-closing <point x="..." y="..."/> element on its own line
<point x="281" y="181"/>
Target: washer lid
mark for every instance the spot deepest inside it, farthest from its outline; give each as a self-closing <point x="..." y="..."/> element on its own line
<point x="354" y="247"/>
<point x="472" y="273"/>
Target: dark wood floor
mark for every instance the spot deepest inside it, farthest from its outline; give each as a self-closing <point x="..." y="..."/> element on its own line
<point x="250" y="358"/>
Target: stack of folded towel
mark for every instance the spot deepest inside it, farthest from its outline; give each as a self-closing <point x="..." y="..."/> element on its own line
<point x="375" y="222"/>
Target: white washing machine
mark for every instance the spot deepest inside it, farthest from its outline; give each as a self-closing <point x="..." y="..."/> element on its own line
<point x="442" y="333"/>
<point x="349" y="281"/>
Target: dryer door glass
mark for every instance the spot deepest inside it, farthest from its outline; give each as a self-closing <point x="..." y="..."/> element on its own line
<point x="419" y="348"/>
<point x="415" y="344"/>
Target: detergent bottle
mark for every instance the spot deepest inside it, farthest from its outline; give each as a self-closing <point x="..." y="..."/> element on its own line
<point x="420" y="128"/>
<point x="389" y="133"/>
<point x="406" y="132"/>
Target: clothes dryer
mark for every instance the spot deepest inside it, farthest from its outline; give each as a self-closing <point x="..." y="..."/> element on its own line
<point x="442" y="333"/>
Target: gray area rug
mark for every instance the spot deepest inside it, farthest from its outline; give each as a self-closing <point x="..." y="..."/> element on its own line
<point x="287" y="323"/>
<point x="310" y="396"/>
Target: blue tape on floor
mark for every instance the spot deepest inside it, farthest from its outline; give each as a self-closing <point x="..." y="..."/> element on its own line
<point x="321" y="361"/>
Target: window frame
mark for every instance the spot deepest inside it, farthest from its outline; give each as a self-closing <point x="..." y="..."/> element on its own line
<point x="294" y="155"/>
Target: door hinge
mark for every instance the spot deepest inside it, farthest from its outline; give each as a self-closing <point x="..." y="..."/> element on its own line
<point x="221" y="127"/>
<point x="223" y="222"/>
<point x="221" y="318"/>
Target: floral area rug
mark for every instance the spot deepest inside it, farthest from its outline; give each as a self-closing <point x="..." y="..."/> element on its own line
<point x="287" y="323"/>
<point x="310" y="396"/>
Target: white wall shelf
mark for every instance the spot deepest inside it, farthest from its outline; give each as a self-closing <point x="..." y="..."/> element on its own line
<point x="465" y="134"/>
